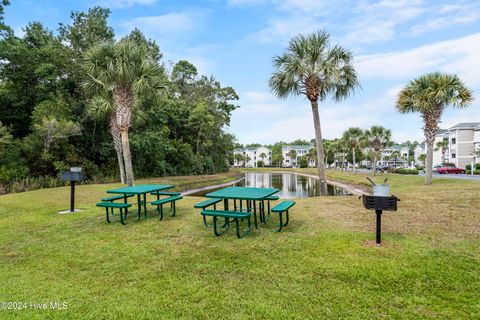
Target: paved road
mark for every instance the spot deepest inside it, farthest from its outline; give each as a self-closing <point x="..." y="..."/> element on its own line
<point x="454" y="176"/>
<point x="436" y="175"/>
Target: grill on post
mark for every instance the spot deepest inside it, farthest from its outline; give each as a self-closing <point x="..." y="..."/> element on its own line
<point x="379" y="204"/>
<point x="75" y="174"/>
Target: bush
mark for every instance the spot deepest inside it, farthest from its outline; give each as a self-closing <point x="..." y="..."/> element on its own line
<point x="406" y="171"/>
<point x="476" y="171"/>
<point x="303" y="162"/>
<point x="260" y="164"/>
<point x="469" y="166"/>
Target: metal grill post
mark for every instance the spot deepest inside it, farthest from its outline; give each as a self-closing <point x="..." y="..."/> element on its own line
<point x="379" y="226"/>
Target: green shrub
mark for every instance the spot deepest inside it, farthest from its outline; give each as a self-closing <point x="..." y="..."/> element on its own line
<point x="476" y="171"/>
<point x="260" y="164"/>
<point x="406" y="171"/>
<point x="469" y="166"/>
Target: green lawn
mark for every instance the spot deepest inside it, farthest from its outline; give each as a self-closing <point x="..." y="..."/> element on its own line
<point x="323" y="266"/>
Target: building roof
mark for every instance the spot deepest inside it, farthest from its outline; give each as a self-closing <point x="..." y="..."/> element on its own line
<point x="466" y="125"/>
<point x="298" y="146"/>
<point x="249" y="149"/>
<point x="441" y="132"/>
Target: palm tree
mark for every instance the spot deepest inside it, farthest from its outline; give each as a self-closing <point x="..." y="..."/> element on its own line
<point x="99" y="107"/>
<point x="377" y="138"/>
<point x="263" y="156"/>
<point x="353" y="137"/>
<point x="395" y="155"/>
<point x="429" y="95"/>
<point x="293" y="156"/>
<point x="422" y="157"/>
<point x="238" y="157"/>
<point x="312" y="155"/>
<point x="443" y="147"/>
<point x="311" y="66"/>
<point x="246" y="159"/>
<point x="119" y="72"/>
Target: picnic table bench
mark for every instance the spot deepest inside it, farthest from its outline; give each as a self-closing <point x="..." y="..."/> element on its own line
<point x="141" y="192"/>
<point x="235" y="215"/>
<point x="116" y="205"/>
<point x="160" y="202"/>
<point x="283" y="208"/>
<point x="205" y="204"/>
<point x="247" y="194"/>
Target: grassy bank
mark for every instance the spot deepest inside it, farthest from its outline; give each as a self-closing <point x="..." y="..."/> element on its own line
<point x="324" y="265"/>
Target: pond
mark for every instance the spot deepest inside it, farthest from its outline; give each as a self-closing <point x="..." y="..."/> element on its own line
<point x="291" y="185"/>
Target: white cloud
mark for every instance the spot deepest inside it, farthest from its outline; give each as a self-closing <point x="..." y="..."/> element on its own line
<point x="447" y="16"/>
<point x="284" y="28"/>
<point x="125" y="3"/>
<point x="167" y="25"/>
<point x="459" y="56"/>
<point x="378" y="22"/>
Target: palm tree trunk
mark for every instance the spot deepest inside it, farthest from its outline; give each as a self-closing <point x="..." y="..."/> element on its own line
<point x="127" y="157"/>
<point x="429" y="164"/>
<point x="121" y="167"/>
<point x="117" y="144"/>
<point x="354" y="161"/>
<point x="320" y="150"/>
<point x="374" y="165"/>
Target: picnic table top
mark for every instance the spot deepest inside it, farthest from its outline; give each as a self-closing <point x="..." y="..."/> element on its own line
<point x="141" y="188"/>
<point x="244" y="193"/>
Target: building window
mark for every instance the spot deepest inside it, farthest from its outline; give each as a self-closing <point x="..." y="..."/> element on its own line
<point x="454" y="155"/>
<point x="454" y="140"/>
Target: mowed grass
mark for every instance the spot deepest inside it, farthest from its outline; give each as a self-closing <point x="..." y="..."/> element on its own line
<point x="324" y="265"/>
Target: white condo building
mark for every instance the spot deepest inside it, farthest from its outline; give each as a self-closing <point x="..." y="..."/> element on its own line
<point x="252" y="156"/>
<point x="463" y="140"/>
<point x="301" y="151"/>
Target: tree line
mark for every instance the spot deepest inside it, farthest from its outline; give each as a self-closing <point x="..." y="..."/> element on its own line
<point x="78" y="97"/>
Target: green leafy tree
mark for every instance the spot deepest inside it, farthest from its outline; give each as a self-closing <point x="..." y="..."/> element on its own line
<point x="377" y="138"/>
<point x="430" y="95"/>
<point x="119" y="73"/>
<point x="303" y="162"/>
<point x="353" y="138"/>
<point x="183" y="75"/>
<point x="311" y="66"/>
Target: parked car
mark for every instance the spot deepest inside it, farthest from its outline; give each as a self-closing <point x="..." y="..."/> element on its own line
<point x="450" y="169"/>
<point x="387" y="167"/>
<point x="435" y="168"/>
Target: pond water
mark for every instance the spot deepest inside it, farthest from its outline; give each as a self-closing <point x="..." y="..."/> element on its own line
<point x="291" y="185"/>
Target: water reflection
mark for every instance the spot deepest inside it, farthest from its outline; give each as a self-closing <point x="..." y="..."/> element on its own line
<point x="291" y="185"/>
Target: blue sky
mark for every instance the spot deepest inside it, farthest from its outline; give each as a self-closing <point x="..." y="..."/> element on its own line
<point x="393" y="41"/>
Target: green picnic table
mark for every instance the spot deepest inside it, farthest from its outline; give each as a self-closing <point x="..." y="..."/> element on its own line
<point x="140" y="190"/>
<point x="248" y="194"/>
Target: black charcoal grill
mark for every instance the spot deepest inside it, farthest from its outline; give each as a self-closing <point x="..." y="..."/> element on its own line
<point x="74" y="175"/>
<point x="379" y="204"/>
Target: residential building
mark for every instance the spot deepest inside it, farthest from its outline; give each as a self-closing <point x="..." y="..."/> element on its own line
<point x="252" y="155"/>
<point x="396" y="154"/>
<point x="301" y="151"/>
<point x="464" y="140"/>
